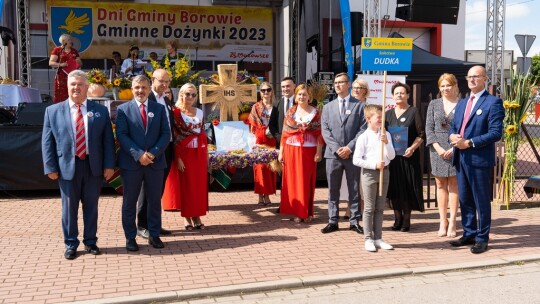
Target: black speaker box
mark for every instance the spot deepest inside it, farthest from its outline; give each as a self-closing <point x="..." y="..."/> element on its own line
<point x="357" y="27"/>
<point x="431" y="14"/>
<point x="31" y="114"/>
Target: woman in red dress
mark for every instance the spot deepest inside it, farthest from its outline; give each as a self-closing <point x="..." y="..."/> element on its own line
<point x="263" y="120"/>
<point x="300" y="151"/>
<point x="186" y="188"/>
<point x="65" y="59"/>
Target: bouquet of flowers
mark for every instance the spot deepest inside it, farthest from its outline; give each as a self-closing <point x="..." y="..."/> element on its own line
<point x="241" y="159"/>
<point x="122" y="82"/>
<point x="518" y="102"/>
<point x="179" y="72"/>
<point x="98" y="77"/>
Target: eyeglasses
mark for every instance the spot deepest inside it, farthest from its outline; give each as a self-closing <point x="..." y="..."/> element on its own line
<point x="358" y="88"/>
<point x="340" y="82"/>
<point x="474" y="77"/>
<point x="266" y="90"/>
<point x="190" y="95"/>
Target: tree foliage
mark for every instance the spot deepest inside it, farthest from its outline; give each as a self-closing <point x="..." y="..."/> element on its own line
<point x="535" y="68"/>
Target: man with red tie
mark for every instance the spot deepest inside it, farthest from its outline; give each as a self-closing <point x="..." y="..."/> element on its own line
<point x="477" y="126"/>
<point x="78" y="151"/>
<point x="143" y="131"/>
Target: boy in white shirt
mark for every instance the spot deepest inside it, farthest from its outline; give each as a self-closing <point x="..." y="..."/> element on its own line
<point x="367" y="155"/>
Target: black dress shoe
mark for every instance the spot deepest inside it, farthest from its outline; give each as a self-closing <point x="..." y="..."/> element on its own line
<point x="277" y="211"/>
<point x="479" y="247"/>
<point x="463" y="241"/>
<point x="155" y="242"/>
<point x="92" y="249"/>
<point x="357" y="228"/>
<point x="70" y="254"/>
<point x="405" y="229"/>
<point x="143" y="232"/>
<point x="131" y="245"/>
<point x="330" y="228"/>
<point x="164" y="231"/>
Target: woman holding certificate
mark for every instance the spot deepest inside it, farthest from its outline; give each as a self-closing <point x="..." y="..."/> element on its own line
<point x="64" y="59"/>
<point x="300" y="151"/>
<point x="407" y="128"/>
<point x="186" y="187"/>
<point x="263" y="121"/>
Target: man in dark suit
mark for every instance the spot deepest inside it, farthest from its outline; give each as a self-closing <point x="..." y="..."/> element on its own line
<point x="143" y="131"/>
<point x="283" y="105"/>
<point x="477" y="126"/>
<point x="286" y="101"/>
<point x="160" y="83"/>
<point x="341" y="124"/>
<point x="78" y="151"/>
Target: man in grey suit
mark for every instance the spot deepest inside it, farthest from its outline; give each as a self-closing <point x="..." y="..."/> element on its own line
<point x="342" y="122"/>
<point x="143" y="132"/>
<point x="78" y="151"/>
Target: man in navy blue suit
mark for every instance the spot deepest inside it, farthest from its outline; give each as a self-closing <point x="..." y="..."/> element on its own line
<point x="477" y="126"/>
<point x="78" y="151"/>
<point x="143" y="131"/>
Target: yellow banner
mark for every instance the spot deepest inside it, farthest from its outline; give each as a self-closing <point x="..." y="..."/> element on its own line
<point x="220" y="33"/>
<point x="387" y="43"/>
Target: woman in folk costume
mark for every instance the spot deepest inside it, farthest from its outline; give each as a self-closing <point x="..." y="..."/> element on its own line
<point x="263" y="121"/>
<point x="187" y="184"/>
<point x="300" y="151"/>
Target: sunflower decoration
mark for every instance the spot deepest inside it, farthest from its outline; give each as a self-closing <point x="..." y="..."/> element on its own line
<point x="98" y="77"/>
<point x="122" y="83"/>
<point x="517" y="104"/>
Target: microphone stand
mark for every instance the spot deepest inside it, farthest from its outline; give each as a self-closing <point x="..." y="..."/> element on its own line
<point x="133" y="65"/>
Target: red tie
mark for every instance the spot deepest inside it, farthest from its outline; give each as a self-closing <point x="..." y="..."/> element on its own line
<point x="467" y="114"/>
<point x="143" y="115"/>
<point x="80" y="139"/>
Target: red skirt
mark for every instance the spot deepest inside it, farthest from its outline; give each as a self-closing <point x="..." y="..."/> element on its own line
<point x="60" y="86"/>
<point x="188" y="191"/>
<point x="299" y="177"/>
<point x="265" y="179"/>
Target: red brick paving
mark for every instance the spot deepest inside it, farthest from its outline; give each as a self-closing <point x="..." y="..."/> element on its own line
<point x="243" y="243"/>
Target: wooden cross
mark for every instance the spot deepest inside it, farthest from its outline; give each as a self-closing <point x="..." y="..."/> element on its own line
<point x="229" y="94"/>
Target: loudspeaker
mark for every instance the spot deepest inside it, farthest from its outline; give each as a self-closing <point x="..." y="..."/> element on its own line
<point x="445" y="12"/>
<point x="357" y="27"/>
<point x="31" y="114"/>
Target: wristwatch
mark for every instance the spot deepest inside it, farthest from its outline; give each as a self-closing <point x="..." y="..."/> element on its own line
<point x="470" y="144"/>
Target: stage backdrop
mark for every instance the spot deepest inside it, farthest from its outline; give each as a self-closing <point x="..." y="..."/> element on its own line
<point x="204" y="32"/>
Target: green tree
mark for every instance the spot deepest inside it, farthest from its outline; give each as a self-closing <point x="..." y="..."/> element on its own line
<point x="535" y="68"/>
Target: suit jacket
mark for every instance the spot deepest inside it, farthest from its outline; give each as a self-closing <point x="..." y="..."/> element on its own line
<point x="58" y="140"/>
<point x="169" y="107"/>
<point x="135" y="140"/>
<point x="337" y="133"/>
<point x="280" y="117"/>
<point x="484" y="128"/>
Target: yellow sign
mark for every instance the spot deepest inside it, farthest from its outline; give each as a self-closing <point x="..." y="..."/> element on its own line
<point x="387" y="43"/>
<point x="216" y="32"/>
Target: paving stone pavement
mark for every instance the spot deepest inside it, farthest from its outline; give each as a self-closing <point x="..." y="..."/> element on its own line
<point x="244" y="246"/>
<point x="516" y="283"/>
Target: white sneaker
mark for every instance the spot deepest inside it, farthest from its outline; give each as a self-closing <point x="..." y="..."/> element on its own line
<point x="382" y="244"/>
<point x="370" y="246"/>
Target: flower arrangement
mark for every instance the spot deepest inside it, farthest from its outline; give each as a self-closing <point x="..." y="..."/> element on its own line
<point x="518" y="102"/>
<point x="319" y="92"/>
<point x="122" y="82"/>
<point x="180" y="72"/>
<point x="98" y="77"/>
<point x="237" y="159"/>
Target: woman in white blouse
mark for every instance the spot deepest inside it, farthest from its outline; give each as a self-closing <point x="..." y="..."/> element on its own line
<point x="186" y="188"/>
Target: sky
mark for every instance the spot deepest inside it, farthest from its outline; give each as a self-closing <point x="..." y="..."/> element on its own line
<point x="522" y="17"/>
